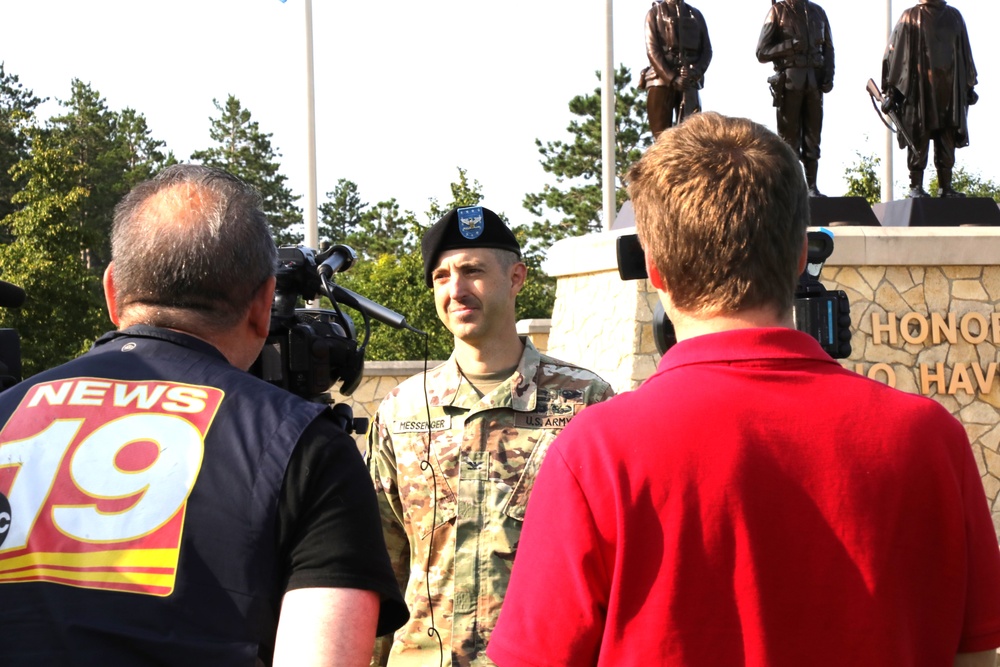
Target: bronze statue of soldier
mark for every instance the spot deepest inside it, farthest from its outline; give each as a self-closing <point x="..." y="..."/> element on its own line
<point x="928" y="80"/>
<point x="796" y="39"/>
<point x="679" y="52"/>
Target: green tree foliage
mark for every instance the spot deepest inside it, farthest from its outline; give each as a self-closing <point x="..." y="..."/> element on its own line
<point x="143" y="155"/>
<point x="972" y="185"/>
<point x="80" y="165"/>
<point x="385" y="230"/>
<point x="90" y="132"/>
<point x="64" y="312"/>
<point x="17" y="113"/>
<point x="242" y="149"/>
<point x="863" y="180"/>
<point x="576" y="199"/>
<point x="463" y="193"/>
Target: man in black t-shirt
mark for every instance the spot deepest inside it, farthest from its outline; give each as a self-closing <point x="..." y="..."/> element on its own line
<point x="165" y="506"/>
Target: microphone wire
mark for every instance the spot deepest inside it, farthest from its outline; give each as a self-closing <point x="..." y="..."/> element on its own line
<point x="427" y="465"/>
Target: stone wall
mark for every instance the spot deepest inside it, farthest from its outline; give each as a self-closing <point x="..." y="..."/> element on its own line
<point x="600" y="321"/>
<point x="924" y="310"/>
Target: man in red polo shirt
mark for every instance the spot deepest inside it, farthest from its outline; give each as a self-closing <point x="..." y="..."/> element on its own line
<point x="753" y="503"/>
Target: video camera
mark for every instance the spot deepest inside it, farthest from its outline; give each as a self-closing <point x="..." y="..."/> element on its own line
<point x="308" y="350"/>
<point x="823" y="314"/>
<point x="11" y="296"/>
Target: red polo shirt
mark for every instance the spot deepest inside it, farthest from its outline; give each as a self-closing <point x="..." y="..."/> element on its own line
<point x="753" y="503"/>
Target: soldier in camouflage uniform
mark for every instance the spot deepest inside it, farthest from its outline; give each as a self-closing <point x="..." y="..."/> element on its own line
<point x="454" y="456"/>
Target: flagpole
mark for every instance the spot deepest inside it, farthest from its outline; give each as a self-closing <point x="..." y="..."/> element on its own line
<point x="311" y="223"/>
<point x="608" y="118"/>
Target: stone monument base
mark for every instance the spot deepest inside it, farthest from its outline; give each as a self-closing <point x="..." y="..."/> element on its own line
<point x="937" y="212"/>
<point x="838" y="211"/>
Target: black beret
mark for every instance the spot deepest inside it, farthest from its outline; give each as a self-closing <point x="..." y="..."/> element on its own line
<point x="470" y="227"/>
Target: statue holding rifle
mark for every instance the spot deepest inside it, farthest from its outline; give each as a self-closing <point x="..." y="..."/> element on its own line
<point x="679" y="52"/>
<point x="796" y="39"/>
<point x="928" y="80"/>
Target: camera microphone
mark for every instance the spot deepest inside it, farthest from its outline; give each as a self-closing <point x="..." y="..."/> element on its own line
<point x="11" y="296"/>
<point x="339" y="258"/>
<point x="372" y="309"/>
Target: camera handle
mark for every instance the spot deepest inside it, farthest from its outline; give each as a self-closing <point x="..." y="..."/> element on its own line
<point x="344" y="416"/>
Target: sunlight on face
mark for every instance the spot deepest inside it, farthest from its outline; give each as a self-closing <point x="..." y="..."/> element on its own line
<point x="474" y="294"/>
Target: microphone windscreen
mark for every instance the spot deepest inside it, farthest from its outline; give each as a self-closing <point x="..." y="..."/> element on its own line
<point x="11" y="296"/>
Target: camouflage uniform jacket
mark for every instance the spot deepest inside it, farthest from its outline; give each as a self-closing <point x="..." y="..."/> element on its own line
<point x="484" y="455"/>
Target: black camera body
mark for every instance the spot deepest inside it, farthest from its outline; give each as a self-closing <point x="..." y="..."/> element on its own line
<point x="823" y="314"/>
<point x="308" y="350"/>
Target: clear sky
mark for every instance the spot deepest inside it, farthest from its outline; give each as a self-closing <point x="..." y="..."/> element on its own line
<point x="407" y="91"/>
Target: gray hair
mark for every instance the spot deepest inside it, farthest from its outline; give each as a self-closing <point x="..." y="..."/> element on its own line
<point x="190" y="247"/>
<point x="506" y="258"/>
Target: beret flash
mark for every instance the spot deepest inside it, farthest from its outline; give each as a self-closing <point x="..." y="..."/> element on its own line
<point x="470" y="227"/>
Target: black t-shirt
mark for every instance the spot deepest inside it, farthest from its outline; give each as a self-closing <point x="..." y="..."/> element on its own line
<point x="329" y="531"/>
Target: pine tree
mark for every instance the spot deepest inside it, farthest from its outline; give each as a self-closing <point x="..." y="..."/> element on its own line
<point x="341" y="214"/>
<point x="245" y="151"/>
<point x="373" y="231"/>
<point x="17" y="114"/>
<point x="88" y="130"/>
<point x="385" y="230"/>
<point x="576" y="200"/>
<point x="142" y="155"/>
<point x="80" y="165"/>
